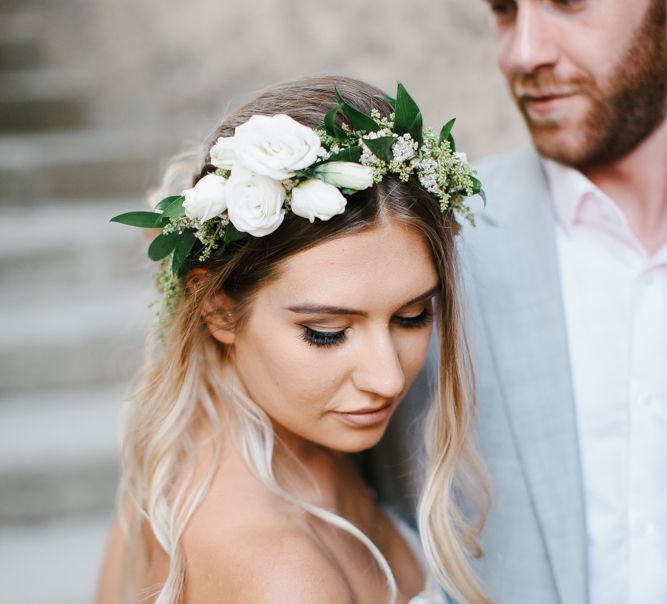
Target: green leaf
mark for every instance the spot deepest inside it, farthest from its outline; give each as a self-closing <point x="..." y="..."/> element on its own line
<point x="175" y="209"/>
<point x="446" y="131"/>
<point x="391" y="101"/>
<point x="162" y="246"/>
<point x="452" y="143"/>
<point x="407" y="111"/>
<point x="144" y="220"/>
<point x="183" y="246"/>
<point x="350" y="154"/>
<point x="180" y="267"/>
<point x="233" y="234"/>
<point x="330" y="124"/>
<point x="477" y="188"/>
<point x="416" y="129"/>
<point x="166" y="202"/>
<point x="381" y="147"/>
<point x="358" y="120"/>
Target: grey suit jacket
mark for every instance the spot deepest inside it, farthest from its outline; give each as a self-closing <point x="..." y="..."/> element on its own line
<point x="535" y="538"/>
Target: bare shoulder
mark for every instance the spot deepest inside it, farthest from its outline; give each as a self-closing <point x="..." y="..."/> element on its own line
<point x="263" y="563"/>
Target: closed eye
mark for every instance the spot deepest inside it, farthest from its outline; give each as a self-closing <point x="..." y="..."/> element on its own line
<point x="322" y="339"/>
<point x="328" y="339"/>
<point x="424" y="318"/>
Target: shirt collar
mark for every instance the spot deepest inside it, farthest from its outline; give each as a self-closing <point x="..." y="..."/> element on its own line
<point x="576" y="200"/>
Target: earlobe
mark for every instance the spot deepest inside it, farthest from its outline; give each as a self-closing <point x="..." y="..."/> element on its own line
<point x="217" y="309"/>
<point x="219" y="318"/>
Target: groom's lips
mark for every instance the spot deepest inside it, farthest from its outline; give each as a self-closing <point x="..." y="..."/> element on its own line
<point x="546" y="102"/>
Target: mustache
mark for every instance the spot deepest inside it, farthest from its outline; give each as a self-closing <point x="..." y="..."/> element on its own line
<point x="544" y="84"/>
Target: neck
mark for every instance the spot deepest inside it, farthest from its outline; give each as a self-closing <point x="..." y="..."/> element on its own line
<point x="312" y="473"/>
<point x="638" y="185"/>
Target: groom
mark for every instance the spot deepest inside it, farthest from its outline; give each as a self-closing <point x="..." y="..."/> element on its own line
<point x="566" y="278"/>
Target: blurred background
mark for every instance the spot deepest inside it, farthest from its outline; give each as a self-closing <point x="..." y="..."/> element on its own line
<point x="95" y="96"/>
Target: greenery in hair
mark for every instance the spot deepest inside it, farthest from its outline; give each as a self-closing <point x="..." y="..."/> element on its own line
<point x="397" y="144"/>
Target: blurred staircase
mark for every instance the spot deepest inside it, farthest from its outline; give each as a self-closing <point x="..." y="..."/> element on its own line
<point x="74" y="294"/>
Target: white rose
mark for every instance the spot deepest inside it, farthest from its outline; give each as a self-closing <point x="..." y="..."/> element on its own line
<point x="254" y="202"/>
<point x="207" y="199"/>
<point x="316" y="199"/>
<point x="276" y="145"/>
<point x="223" y="153"/>
<point x="345" y="175"/>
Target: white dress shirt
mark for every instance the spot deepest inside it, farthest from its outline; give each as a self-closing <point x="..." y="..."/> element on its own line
<point x="615" y="299"/>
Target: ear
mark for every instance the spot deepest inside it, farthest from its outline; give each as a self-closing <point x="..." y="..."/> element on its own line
<point x="218" y="314"/>
<point x="217" y="310"/>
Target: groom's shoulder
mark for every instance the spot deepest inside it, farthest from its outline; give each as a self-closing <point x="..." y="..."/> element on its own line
<point x="511" y="182"/>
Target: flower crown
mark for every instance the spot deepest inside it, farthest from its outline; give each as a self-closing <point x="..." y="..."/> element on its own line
<point x="273" y="165"/>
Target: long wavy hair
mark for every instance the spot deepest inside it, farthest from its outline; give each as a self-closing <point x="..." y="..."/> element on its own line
<point x="184" y="382"/>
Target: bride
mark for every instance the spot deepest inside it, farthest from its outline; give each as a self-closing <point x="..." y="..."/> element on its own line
<point x="302" y="275"/>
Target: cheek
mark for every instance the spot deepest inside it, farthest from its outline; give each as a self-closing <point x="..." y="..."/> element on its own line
<point x="282" y="367"/>
<point x="412" y="353"/>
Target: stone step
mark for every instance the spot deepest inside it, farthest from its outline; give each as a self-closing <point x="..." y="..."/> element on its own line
<point x="43" y="99"/>
<point x="41" y="114"/>
<point x="86" y="339"/>
<point x="77" y="164"/>
<point x="22" y="23"/>
<point x="54" y="250"/>
<point x="58" y="453"/>
<point x="21" y="54"/>
<point x="52" y="563"/>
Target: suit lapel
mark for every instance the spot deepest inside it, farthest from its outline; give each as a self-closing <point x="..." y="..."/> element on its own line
<point x="518" y="284"/>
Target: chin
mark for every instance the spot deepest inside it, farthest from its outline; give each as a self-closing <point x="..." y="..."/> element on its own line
<point x="561" y="145"/>
<point x="357" y="440"/>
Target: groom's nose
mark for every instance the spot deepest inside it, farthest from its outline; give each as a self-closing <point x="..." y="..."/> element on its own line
<point x="529" y="41"/>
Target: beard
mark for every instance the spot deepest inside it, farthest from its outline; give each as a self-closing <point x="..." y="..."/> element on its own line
<point x="623" y="110"/>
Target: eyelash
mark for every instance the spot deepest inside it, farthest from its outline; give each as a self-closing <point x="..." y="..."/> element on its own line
<point x="327" y="339"/>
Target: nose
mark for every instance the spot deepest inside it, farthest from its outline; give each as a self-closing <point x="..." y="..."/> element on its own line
<point x="530" y="42"/>
<point x="378" y="370"/>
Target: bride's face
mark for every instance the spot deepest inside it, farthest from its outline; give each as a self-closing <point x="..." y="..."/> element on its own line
<point x="331" y="345"/>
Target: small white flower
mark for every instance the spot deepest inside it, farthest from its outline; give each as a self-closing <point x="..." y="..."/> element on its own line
<point x="276" y="145"/>
<point x="461" y="156"/>
<point x="404" y="149"/>
<point x="223" y="153"/>
<point x="207" y="199"/>
<point x="254" y="202"/>
<point x="345" y="175"/>
<point x="316" y="199"/>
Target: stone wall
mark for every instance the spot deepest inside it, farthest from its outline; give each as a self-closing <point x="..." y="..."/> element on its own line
<point x="95" y="95"/>
<point x="182" y="64"/>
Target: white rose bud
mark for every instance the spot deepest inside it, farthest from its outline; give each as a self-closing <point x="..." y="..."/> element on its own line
<point x="276" y="145"/>
<point x="254" y="202"/>
<point x="313" y="198"/>
<point x="345" y="175"/>
<point x="207" y="199"/>
<point x="223" y="154"/>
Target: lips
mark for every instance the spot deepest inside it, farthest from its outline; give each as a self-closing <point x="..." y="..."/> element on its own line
<point x="544" y="101"/>
<point x="368" y="417"/>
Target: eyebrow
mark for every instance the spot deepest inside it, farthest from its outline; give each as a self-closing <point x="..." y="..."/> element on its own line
<point x="322" y="309"/>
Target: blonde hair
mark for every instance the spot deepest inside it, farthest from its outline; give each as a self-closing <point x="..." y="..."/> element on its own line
<point x="183" y="381"/>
